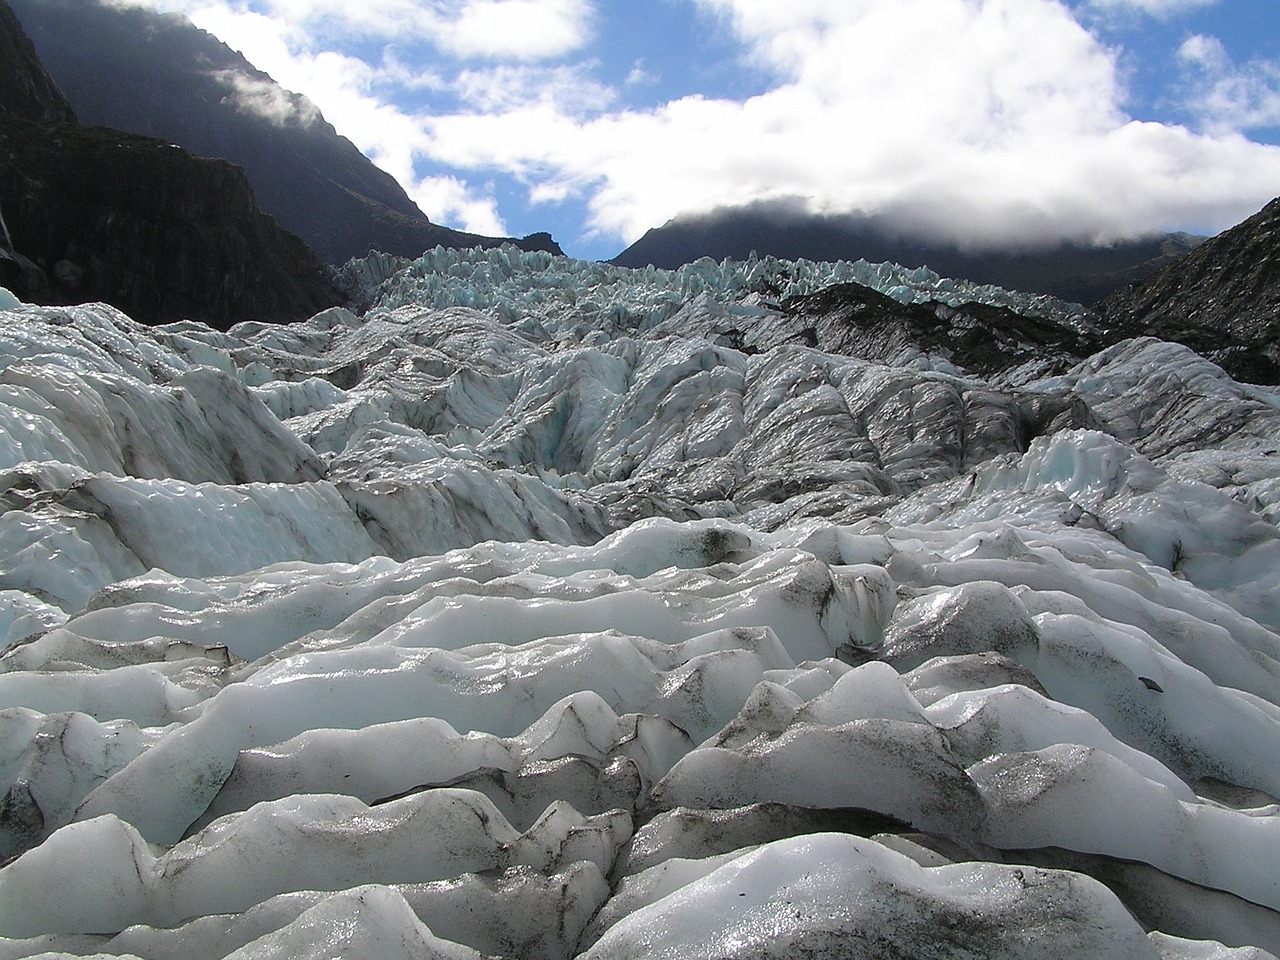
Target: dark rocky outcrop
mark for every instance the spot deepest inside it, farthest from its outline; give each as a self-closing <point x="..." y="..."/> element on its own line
<point x="1074" y="272"/>
<point x="1222" y="300"/>
<point x="988" y="341"/>
<point x="27" y="92"/>
<point x="98" y="215"/>
<point x="145" y="226"/>
<point x="158" y="75"/>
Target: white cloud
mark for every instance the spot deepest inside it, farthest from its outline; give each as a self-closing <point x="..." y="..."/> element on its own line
<point x="979" y="121"/>
<point x="345" y="90"/>
<point x="490" y="29"/>
<point x="260" y="96"/>
<point x="286" y="39"/>
<point x="1227" y="98"/>
<point x="569" y="88"/>
<point x="1155" y="8"/>
<point x="399" y="76"/>
<point x="523" y="30"/>
<point x="454" y="202"/>
<point x="517" y="29"/>
<point x="1205" y="52"/>
<point x="639" y="76"/>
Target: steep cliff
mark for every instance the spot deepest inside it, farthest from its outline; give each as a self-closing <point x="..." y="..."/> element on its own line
<point x="26" y="89"/>
<point x="142" y="225"/>
<point x="158" y="75"/>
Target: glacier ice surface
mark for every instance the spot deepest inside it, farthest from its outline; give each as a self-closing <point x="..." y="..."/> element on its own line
<point x="526" y="615"/>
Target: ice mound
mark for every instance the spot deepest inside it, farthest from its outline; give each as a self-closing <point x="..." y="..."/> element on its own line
<point x="313" y="842"/>
<point x="519" y="619"/>
<point x="836" y="895"/>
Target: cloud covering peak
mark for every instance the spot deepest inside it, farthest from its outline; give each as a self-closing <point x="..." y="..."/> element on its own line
<point x="980" y="122"/>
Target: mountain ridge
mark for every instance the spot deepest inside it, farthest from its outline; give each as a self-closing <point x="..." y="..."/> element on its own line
<point x="1222" y="299"/>
<point x="26" y="89"/>
<point x="159" y="75"/>
<point x="1074" y="272"/>
<point x="96" y="214"/>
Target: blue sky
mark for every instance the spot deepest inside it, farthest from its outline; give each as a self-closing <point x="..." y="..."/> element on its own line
<point x="979" y="122"/>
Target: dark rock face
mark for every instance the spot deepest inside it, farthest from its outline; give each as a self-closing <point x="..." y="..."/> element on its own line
<point x="27" y="92"/>
<point x="92" y="214"/>
<point x="1222" y="300"/>
<point x="99" y="215"/>
<point x="854" y="320"/>
<point x="1073" y="272"/>
<point x="157" y="75"/>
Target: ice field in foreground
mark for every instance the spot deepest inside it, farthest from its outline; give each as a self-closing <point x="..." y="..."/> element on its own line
<point x="523" y="617"/>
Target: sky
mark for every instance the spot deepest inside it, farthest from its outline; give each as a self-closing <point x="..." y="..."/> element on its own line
<point x="983" y="123"/>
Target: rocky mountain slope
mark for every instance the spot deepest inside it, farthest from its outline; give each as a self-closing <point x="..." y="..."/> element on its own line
<point x="157" y="75"/>
<point x="27" y="92"/>
<point x="552" y="609"/>
<point x="98" y="215"/>
<point x="1073" y="272"/>
<point x="145" y="226"/>
<point x="1223" y="299"/>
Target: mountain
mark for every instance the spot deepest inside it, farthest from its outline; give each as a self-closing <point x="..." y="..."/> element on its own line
<point x="27" y="92"/>
<point x="1074" y="272"/>
<point x="95" y="214"/>
<point x="149" y="228"/>
<point x="1223" y="299"/>
<point x="157" y="75"/>
<point x="560" y="610"/>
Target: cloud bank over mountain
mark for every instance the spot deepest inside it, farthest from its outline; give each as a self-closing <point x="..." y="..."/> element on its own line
<point x="978" y="122"/>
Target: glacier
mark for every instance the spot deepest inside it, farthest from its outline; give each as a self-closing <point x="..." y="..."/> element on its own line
<point x="546" y="609"/>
